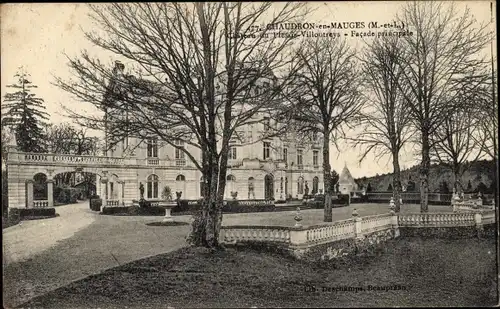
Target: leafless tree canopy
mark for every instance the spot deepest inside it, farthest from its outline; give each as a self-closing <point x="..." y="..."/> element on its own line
<point x="444" y="52"/>
<point x="195" y="69"/>
<point x="326" y="92"/>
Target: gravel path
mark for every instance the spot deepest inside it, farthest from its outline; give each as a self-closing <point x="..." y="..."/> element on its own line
<point x="34" y="236"/>
<point x="77" y="244"/>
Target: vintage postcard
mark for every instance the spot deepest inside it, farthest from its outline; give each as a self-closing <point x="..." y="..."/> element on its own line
<point x="249" y="154"/>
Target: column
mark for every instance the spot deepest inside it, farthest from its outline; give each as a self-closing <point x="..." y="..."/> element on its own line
<point x="121" y="183"/>
<point x="50" y="192"/>
<point x="104" y="188"/>
<point x="98" y="186"/>
<point x="29" y="193"/>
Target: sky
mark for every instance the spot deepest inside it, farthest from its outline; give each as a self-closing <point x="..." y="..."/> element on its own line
<point x="37" y="36"/>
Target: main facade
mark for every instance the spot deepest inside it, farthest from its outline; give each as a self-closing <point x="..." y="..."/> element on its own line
<point x="259" y="168"/>
<point x="275" y="168"/>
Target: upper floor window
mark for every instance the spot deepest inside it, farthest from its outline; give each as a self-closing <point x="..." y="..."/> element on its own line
<point x="299" y="157"/>
<point x="152" y="148"/>
<point x="179" y="153"/>
<point x="315" y="157"/>
<point x="232" y="153"/>
<point x="267" y="150"/>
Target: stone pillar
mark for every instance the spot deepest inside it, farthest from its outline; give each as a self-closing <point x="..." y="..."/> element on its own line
<point x="104" y="189"/>
<point x="479" y="224"/>
<point x="357" y="225"/>
<point x="120" y="192"/>
<point x="29" y="193"/>
<point x="298" y="241"/>
<point x="50" y="192"/>
<point x="395" y="224"/>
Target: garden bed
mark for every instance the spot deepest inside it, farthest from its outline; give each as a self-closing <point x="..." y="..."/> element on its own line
<point x="409" y="272"/>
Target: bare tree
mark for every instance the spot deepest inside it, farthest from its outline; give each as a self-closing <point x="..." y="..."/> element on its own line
<point x="327" y="92"/>
<point x="445" y="48"/>
<point x="197" y="66"/>
<point x="454" y="140"/>
<point x="385" y="122"/>
<point x="65" y="138"/>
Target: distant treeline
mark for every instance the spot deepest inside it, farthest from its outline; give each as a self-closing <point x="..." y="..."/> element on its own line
<point x="478" y="176"/>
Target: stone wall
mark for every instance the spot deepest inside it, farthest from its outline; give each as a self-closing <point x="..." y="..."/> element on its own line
<point x="345" y="247"/>
<point x="488" y="230"/>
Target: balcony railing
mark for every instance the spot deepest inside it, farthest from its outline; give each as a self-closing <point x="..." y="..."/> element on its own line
<point x="40" y="203"/>
<point x="180" y="162"/>
<point x="153" y="161"/>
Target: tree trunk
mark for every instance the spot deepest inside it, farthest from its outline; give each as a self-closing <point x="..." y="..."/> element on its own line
<point x="327" y="177"/>
<point x="424" y="173"/>
<point x="456" y="178"/>
<point x="396" y="181"/>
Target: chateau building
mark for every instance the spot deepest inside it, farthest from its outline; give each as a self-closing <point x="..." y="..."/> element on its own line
<point x="259" y="168"/>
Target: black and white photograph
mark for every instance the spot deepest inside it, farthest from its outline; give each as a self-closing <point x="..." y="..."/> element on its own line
<point x="339" y="154"/>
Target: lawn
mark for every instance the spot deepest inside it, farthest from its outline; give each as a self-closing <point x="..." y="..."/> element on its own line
<point x="315" y="216"/>
<point x="431" y="272"/>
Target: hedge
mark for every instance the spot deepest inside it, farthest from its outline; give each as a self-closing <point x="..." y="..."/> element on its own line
<point x="234" y="207"/>
<point x="28" y="213"/>
<point x="134" y="211"/>
<point x="95" y="203"/>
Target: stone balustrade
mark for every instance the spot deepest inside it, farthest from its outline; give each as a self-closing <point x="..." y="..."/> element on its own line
<point x="112" y="203"/>
<point x="376" y="223"/>
<point x="330" y="232"/>
<point x="40" y="204"/>
<point x="436" y="219"/>
<point x="235" y="234"/>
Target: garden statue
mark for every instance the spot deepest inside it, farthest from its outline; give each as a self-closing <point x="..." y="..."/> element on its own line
<point x="306" y="190"/>
<point x="141" y="190"/>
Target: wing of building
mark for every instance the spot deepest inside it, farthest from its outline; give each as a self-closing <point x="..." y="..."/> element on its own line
<point x="273" y="168"/>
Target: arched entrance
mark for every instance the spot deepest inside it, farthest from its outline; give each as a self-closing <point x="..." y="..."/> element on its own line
<point x="269" y="187"/>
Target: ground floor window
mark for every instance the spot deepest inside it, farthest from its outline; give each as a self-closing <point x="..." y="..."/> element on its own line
<point x="152" y="186"/>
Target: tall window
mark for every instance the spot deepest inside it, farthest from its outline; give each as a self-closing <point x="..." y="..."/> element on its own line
<point x="285" y="155"/>
<point x="153" y="148"/>
<point x="152" y="185"/>
<point x="299" y="157"/>
<point x="267" y="150"/>
<point x="315" y="158"/>
<point x="232" y="153"/>
<point x="179" y="154"/>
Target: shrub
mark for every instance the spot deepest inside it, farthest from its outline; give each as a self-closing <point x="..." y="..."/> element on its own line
<point x="63" y="197"/>
<point x="95" y="203"/>
<point x="342" y="200"/>
<point x="166" y="194"/>
<point x="27" y="213"/>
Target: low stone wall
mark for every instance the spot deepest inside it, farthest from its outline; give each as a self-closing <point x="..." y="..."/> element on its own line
<point x="340" y="239"/>
<point x="488" y="230"/>
<point x="318" y="242"/>
<point x="345" y="247"/>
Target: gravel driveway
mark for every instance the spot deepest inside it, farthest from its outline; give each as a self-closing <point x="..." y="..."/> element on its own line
<point x="42" y="255"/>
